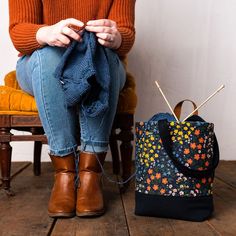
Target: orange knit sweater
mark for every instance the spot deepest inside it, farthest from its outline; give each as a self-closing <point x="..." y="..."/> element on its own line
<point x="27" y="16"/>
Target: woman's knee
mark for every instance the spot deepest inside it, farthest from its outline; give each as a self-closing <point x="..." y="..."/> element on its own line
<point x="46" y="59"/>
<point x="43" y="63"/>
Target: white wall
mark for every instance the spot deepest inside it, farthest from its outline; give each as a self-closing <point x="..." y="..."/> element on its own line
<point x="189" y="46"/>
<point x="8" y="53"/>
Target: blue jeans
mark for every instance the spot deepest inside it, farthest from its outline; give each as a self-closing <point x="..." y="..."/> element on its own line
<point x="60" y="123"/>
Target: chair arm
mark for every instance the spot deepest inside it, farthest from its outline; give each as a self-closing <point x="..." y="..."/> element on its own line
<point x="10" y="80"/>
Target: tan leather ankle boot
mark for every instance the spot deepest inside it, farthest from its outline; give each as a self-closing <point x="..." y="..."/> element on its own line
<point x="89" y="193"/>
<point x="63" y="196"/>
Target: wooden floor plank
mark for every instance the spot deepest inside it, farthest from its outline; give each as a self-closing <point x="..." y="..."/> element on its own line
<point x="226" y="171"/>
<point x="26" y="213"/>
<point x="112" y="223"/>
<point x="224" y="218"/>
<point x="17" y="167"/>
<point x="188" y="228"/>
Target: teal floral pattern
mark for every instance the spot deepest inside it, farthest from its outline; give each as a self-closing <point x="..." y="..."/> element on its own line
<point x="156" y="174"/>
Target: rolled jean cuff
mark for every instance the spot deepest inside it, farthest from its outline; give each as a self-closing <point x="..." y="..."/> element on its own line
<point x="64" y="152"/>
<point x="94" y="147"/>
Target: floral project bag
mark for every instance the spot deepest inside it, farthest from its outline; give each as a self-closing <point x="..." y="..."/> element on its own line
<point x="175" y="164"/>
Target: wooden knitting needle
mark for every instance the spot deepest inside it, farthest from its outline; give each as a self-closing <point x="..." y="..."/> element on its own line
<point x="218" y="90"/>
<point x="158" y="86"/>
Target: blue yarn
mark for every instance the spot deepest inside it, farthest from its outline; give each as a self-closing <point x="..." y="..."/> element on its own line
<point x="162" y="116"/>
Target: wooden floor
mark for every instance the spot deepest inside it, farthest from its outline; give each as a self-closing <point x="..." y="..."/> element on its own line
<point x="26" y="213"/>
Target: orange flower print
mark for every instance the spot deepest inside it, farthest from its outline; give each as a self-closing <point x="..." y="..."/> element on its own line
<point x="204" y="180"/>
<point x="193" y="145"/>
<point x="148" y="188"/>
<point x="200" y="168"/>
<point x="201" y="140"/>
<point x="148" y="181"/>
<point x="190" y="161"/>
<point x="160" y="141"/>
<point x="199" y="146"/>
<point x="164" y="181"/>
<point x="203" y="156"/>
<point x="155" y="187"/>
<point x="162" y="191"/>
<point x="198" y="185"/>
<point x="140" y="132"/>
<point x="207" y="163"/>
<point x="186" y="151"/>
<point x="158" y="175"/>
<point x="150" y="171"/>
<point x="197" y="132"/>
<point x="197" y="157"/>
<point x="152" y="177"/>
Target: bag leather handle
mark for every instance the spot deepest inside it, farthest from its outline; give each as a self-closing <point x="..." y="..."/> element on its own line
<point x="163" y="126"/>
<point x="178" y="107"/>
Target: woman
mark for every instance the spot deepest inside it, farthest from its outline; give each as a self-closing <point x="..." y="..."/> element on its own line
<point x="41" y="30"/>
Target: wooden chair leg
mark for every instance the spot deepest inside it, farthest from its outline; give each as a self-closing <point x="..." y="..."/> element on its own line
<point x="126" y="150"/>
<point x="5" y="160"/>
<point x="114" y="153"/>
<point x="37" y="153"/>
<point x="37" y="157"/>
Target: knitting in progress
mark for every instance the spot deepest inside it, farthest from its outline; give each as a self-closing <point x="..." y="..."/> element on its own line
<point x="84" y="74"/>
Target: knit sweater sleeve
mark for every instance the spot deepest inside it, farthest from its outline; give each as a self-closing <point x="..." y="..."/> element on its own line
<point x="122" y="12"/>
<point x="25" y="20"/>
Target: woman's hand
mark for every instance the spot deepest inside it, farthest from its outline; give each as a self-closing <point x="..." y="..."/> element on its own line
<point x="106" y="31"/>
<point x="60" y="33"/>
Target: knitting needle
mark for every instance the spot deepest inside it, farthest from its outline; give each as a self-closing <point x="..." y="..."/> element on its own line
<point x="218" y="90"/>
<point x="158" y="86"/>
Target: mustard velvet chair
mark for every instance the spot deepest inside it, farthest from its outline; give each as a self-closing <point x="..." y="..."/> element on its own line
<point x="18" y="111"/>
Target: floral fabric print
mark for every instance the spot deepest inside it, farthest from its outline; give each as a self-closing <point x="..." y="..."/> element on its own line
<point x="156" y="174"/>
